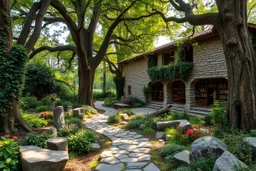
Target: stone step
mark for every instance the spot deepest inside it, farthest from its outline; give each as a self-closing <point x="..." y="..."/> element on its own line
<point x="205" y="109"/>
<point x="198" y="113"/>
<point x="153" y="107"/>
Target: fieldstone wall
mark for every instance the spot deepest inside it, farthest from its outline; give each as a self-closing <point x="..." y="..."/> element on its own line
<point x="136" y="76"/>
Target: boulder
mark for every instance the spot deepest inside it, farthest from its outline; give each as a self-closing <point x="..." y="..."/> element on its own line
<point x="53" y="132"/>
<point x="142" y="126"/>
<point x="159" y="135"/>
<point x="58" y="117"/>
<point x="167" y="137"/>
<point x="182" y="158"/>
<point x="206" y="146"/>
<point x="95" y="147"/>
<point x="124" y="117"/>
<point x="251" y="141"/>
<point x="184" y="125"/>
<point x="228" y="161"/>
<point x="37" y="159"/>
<point x="59" y="144"/>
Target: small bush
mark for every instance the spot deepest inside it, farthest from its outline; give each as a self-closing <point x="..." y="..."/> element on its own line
<point x="68" y="130"/>
<point x="89" y="110"/>
<point x="75" y="121"/>
<point x="114" y="119"/>
<point x="9" y="155"/>
<point x="81" y="141"/>
<point x="133" y="101"/>
<point x="195" y="120"/>
<point x="253" y="133"/>
<point x="63" y="103"/>
<point x="205" y="164"/>
<point x="36" y="140"/>
<point x="170" y="150"/>
<point x="138" y="116"/>
<point x="138" y="120"/>
<point x="218" y="112"/>
<point x="208" y="119"/>
<point x="147" y="130"/>
<point x="110" y="101"/>
<point x="126" y="110"/>
<point x="29" y="102"/>
<point x="101" y="95"/>
<point x="178" y="116"/>
<point x="42" y="108"/>
<point x="46" y="115"/>
<point x="34" y="121"/>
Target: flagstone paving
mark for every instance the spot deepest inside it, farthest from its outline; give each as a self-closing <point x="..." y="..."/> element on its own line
<point x="130" y="151"/>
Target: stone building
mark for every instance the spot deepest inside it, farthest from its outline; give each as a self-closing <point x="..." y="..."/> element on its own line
<point x="206" y="81"/>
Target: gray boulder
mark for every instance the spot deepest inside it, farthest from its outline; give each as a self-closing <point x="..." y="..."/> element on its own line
<point x="228" y="162"/>
<point x="53" y="132"/>
<point x="59" y="144"/>
<point x="159" y="135"/>
<point x="251" y="141"/>
<point x="95" y="147"/>
<point x="206" y="146"/>
<point x="182" y="158"/>
<point x="37" y="159"/>
<point x="184" y="125"/>
<point x="58" y="117"/>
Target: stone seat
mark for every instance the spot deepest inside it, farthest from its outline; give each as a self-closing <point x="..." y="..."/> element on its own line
<point x="183" y="124"/>
<point x="37" y="159"/>
<point x="79" y="112"/>
<point x="121" y="105"/>
<point x="58" y="143"/>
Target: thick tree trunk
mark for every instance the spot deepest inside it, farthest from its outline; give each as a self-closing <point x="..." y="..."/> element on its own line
<point x="13" y="113"/>
<point x="104" y="77"/>
<point x="241" y="64"/>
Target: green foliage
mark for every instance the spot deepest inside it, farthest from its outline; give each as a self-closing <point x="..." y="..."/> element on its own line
<point x="113" y="119"/>
<point x="39" y="80"/>
<point x="75" y="121"/>
<point x="133" y="101"/>
<point x="34" y="121"/>
<point x="178" y="116"/>
<point x="237" y="146"/>
<point x="146" y="90"/>
<point x="109" y="102"/>
<point x="42" y="108"/>
<point x="36" y="139"/>
<point x="12" y="69"/>
<point x="119" y="82"/>
<point x="68" y="129"/>
<point x="63" y="103"/>
<point x="218" y="112"/>
<point x="170" y="72"/>
<point x="90" y="110"/>
<point x="102" y="95"/>
<point x="173" y="133"/>
<point x="9" y="155"/>
<point x="29" y="102"/>
<point x="205" y="164"/>
<point x="170" y="150"/>
<point x="140" y="119"/>
<point x="81" y="141"/>
<point x="253" y="133"/>
<point x="196" y="120"/>
<point x="125" y="110"/>
<point x="151" y="61"/>
<point x="208" y="119"/>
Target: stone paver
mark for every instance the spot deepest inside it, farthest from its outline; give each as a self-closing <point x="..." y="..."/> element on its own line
<point x="129" y="150"/>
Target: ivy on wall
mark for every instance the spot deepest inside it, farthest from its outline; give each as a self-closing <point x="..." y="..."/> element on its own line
<point x="170" y="72"/>
<point x="12" y="69"/>
<point x="151" y="61"/>
<point x="119" y="81"/>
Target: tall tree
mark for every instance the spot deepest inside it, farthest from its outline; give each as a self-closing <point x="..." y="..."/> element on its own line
<point x="85" y="21"/>
<point x="231" y="23"/>
<point x="14" y="59"/>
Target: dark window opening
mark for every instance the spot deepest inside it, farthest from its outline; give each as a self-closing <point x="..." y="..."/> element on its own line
<point x="188" y="53"/>
<point x="168" y="58"/>
<point x="129" y="90"/>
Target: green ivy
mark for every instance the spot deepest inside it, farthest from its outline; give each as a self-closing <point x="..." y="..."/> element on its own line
<point x="170" y="72"/>
<point x="12" y="69"/>
<point x="119" y="81"/>
<point x="151" y="59"/>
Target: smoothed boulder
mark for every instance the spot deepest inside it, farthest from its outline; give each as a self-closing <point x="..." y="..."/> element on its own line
<point x="228" y="161"/>
<point x="183" y="124"/>
<point x="159" y="135"/>
<point x="205" y="147"/>
<point x="58" y="143"/>
<point x="182" y="158"/>
<point x="58" y="118"/>
<point x="37" y="159"/>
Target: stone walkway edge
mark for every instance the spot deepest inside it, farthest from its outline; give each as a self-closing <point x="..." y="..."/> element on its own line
<point x="130" y="151"/>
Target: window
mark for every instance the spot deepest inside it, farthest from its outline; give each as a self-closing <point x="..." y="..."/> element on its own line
<point x="188" y="54"/>
<point x="129" y="90"/>
<point x="168" y="58"/>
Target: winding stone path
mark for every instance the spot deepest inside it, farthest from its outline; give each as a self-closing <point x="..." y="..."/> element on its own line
<point x="130" y="151"/>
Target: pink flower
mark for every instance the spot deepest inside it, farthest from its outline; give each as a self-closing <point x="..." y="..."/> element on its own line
<point x="189" y="131"/>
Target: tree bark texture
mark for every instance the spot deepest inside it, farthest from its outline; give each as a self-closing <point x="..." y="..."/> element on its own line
<point x="13" y="113"/>
<point x="241" y="66"/>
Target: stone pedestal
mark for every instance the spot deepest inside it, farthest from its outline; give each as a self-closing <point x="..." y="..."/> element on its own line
<point x="59" y="144"/>
<point x="58" y="117"/>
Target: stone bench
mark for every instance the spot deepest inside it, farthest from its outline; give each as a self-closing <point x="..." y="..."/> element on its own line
<point x="79" y="112"/>
<point x="121" y="105"/>
<point x="37" y="159"/>
<point x="184" y="125"/>
<point x="58" y="143"/>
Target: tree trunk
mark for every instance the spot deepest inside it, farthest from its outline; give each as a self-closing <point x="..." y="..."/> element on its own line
<point x="13" y="113"/>
<point x="104" y="77"/>
<point x="85" y="90"/>
<point x="237" y="46"/>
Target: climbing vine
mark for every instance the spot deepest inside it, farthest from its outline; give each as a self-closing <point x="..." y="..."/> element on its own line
<point x="151" y="61"/>
<point x="12" y="69"/>
<point x="119" y="82"/>
<point x="170" y="72"/>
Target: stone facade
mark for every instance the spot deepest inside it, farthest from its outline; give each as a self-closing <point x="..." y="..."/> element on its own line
<point x="208" y="60"/>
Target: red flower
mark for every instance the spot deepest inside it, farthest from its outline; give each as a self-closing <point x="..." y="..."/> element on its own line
<point x="189" y="131"/>
<point x="7" y="136"/>
<point x="14" y="137"/>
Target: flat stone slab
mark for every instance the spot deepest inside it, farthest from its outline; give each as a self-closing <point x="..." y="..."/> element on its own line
<point x="58" y="143"/>
<point x="182" y="158"/>
<point x="121" y="105"/>
<point x="95" y="147"/>
<point x="183" y="124"/>
<point x="110" y="160"/>
<point x="151" y="167"/>
<point x="251" y="141"/>
<point x="106" y="154"/>
<point x="34" y="159"/>
<point x="108" y="167"/>
<point x="136" y="165"/>
<point x="145" y="157"/>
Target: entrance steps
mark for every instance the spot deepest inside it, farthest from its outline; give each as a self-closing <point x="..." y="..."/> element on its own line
<point x="179" y="108"/>
<point x="155" y="105"/>
<point x="199" y="111"/>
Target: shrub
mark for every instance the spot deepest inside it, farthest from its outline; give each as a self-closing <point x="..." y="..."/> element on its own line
<point x="68" y="130"/>
<point x="253" y="133"/>
<point x="37" y="140"/>
<point x="42" y="108"/>
<point x="148" y="130"/>
<point x="138" y="120"/>
<point x="126" y="110"/>
<point x="138" y="116"/>
<point x="174" y="134"/>
<point x="34" y="121"/>
<point x="46" y="115"/>
<point x="89" y="110"/>
<point x="75" y="121"/>
<point x="109" y="102"/>
<point x="178" y="116"/>
<point x="170" y="150"/>
<point x="218" y="112"/>
<point x="208" y="119"/>
<point x="29" y="102"/>
<point x="9" y="155"/>
<point x="133" y="101"/>
<point x="63" y="103"/>
<point x="205" y="164"/>
<point x="81" y="141"/>
<point x="113" y="119"/>
<point x="101" y="95"/>
<point x="195" y="120"/>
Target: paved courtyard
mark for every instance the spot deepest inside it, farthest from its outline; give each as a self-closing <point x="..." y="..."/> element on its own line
<point x="130" y="151"/>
